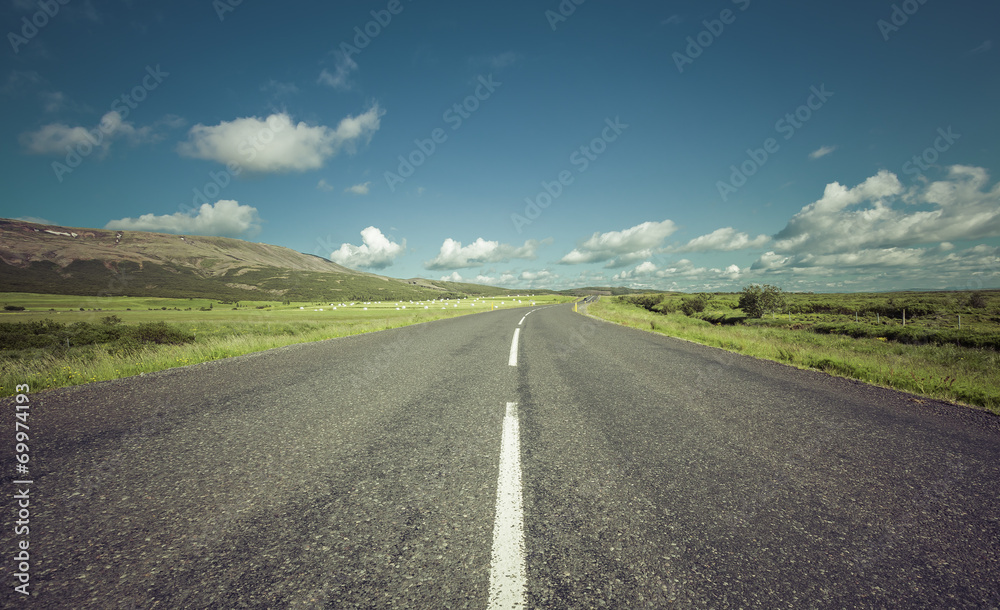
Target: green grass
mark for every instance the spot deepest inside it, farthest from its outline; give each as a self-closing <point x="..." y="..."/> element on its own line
<point x="224" y="331"/>
<point x="944" y="371"/>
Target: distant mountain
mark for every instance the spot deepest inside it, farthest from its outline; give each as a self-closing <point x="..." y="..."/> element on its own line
<point x="63" y="260"/>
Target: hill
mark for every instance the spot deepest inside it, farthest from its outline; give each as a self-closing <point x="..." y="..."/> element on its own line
<point x="94" y="262"/>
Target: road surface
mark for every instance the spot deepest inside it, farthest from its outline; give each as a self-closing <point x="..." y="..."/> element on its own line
<point x="452" y="465"/>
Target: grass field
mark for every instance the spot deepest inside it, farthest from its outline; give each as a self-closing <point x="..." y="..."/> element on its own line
<point x="215" y="330"/>
<point x="930" y="356"/>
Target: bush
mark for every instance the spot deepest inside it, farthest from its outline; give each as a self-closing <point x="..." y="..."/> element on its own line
<point x="696" y="304"/>
<point x="13" y="308"/>
<point x="646" y="301"/>
<point x="757" y="300"/>
<point x="48" y="334"/>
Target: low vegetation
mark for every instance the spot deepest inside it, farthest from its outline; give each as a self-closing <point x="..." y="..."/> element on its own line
<point x="948" y="348"/>
<point x="53" y="341"/>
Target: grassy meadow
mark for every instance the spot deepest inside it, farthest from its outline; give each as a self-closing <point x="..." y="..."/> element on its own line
<point x="59" y="340"/>
<point x="860" y="336"/>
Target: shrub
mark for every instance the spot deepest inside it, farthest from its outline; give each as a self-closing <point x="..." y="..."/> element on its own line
<point x="646" y="301"/>
<point x="696" y="304"/>
<point x="13" y="308"/>
<point x="757" y="300"/>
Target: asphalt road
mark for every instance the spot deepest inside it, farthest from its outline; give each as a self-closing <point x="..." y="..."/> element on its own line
<point x="633" y="471"/>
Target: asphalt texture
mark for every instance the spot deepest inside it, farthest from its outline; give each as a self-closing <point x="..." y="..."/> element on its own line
<point x="361" y="472"/>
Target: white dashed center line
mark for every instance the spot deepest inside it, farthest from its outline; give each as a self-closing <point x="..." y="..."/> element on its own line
<point x="507" y="570"/>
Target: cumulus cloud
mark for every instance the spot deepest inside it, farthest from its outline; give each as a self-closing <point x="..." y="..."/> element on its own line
<point x="543" y="275"/>
<point x="619" y="248"/>
<point x="359" y="189"/>
<point x="323" y="185"/>
<point x="225" y="218"/>
<point x="454" y="277"/>
<point x="880" y="214"/>
<point x="680" y="270"/>
<point x="723" y="240"/>
<point x="276" y="144"/>
<point x="454" y="255"/>
<point x="340" y="77"/>
<point x="59" y="138"/>
<point x="822" y="151"/>
<point x="375" y="252"/>
<point x="879" y="224"/>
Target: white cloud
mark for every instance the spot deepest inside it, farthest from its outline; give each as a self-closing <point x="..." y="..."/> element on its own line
<point x="323" y="185"/>
<point x="683" y="270"/>
<point x="454" y="255"/>
<point x="225" y="218"/>
<point x="723" y="240"/>
<point x="822" y="151"/>
<point x="543" y="275"/>
<point x="770" y="260"/>
<point x="878" y="227"/>
<point x="359" y="189"/>
<point x="339" y="78"/>
<point x="375" y="252"/>
<point x="275" y="144"/>
<point x="865" y="217"/>
<point x="645" y="267"/>
<point x="620" y="248"/>
<point x="454" y="277"/>
<point x="59" y="138"/>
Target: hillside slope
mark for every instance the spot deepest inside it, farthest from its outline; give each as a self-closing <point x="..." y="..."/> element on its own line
<point x="66" y="260"/>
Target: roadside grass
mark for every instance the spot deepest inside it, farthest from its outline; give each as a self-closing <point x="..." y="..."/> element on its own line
<point x="222" y="332"/>
<point x="942" y="371"/>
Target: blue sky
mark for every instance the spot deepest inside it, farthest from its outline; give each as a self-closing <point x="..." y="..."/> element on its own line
<point x="684" y="145"/>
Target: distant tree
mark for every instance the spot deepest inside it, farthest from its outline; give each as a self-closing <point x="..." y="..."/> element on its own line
<point x="977" y="300"/>
<point x="757" y="300"/>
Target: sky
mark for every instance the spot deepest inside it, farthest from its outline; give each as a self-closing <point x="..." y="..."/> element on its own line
<point x="675" y="145"/>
